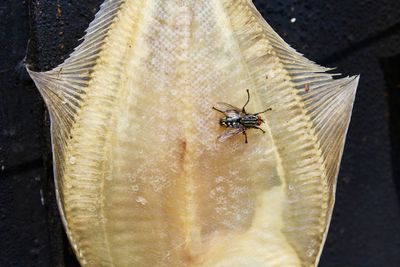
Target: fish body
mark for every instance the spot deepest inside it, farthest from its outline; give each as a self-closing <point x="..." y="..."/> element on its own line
<point x="140" y="179"/>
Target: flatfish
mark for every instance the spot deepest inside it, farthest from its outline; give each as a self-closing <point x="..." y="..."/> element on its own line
<point x="141" y="178"/>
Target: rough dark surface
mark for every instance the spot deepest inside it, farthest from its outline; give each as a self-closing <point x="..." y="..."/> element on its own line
<point x="358" y="37"/>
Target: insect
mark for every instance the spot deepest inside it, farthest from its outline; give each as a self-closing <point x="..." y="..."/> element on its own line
<point x="238" y="120"/>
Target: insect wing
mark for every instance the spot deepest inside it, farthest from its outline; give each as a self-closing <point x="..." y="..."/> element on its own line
<point x="229" y="110"/>
<point x="229" y="133"/>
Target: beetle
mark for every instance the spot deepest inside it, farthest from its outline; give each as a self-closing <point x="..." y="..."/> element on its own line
<point x="238" y="120"/>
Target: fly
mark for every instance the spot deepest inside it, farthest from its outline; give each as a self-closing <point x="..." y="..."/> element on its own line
<point x="238" y="120"/>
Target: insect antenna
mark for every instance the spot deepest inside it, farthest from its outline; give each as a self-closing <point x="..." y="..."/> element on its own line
<point x="248" y="100"/>
<point x="263" y="111"/>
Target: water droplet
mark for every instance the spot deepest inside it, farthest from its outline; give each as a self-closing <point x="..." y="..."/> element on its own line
<point x="135" y="188"/>
<point x="220" y="179"/>
<point x="41" y="197"/>
<point x="310" y="252"/>
<point x="219" y="189"/>
<point x="72" y="160"/>
<point x="141" y="200"/>
<point x="92" y="208"/>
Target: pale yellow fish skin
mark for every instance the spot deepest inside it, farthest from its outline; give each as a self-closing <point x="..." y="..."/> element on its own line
<point x="141" y="179"/>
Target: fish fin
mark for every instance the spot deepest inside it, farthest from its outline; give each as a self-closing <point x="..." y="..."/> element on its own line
<point x="329" y="106"/>
<point x="327" y="101"/>
<point x="309" y="121"/>
<point x="64" y="87"/>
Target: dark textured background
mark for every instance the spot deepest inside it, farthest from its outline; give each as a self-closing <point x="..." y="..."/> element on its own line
<point x="357" y="36"/>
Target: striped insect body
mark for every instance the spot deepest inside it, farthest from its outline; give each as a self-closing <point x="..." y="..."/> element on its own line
<point x="238" y="120"/>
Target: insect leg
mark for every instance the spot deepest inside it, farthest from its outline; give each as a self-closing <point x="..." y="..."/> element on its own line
<point x="258" y="129"/>
<point x="218" y="110"/>
<point x="263" y="111"/>
<point x="248" y="99"/>
<point x="245" y="137"/>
